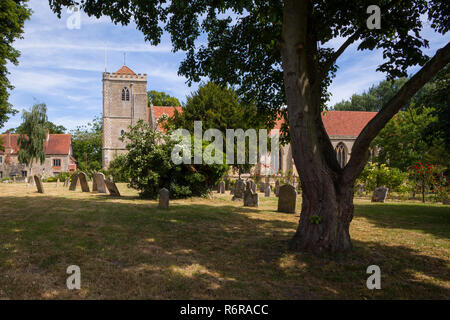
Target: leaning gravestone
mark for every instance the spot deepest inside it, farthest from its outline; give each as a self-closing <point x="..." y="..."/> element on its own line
<point x="239" y="189"/>
<point x="287" y="199"/>
<point x="112" y="188"/>
<point x="379" y="194"/>
<point x="277" y="188"/>
<point x="73" y="182"/>
<point x="39" y="186"/>
<point x="99" y="182"/>
<point x="250" y="198"/>
<point x="221" y="187"/>
<point x="83" y="181"/>
<point x="163" y="199"/>
<point x="267" y="191"/>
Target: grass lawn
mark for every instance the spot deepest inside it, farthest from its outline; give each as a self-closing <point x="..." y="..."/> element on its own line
<point x="209" y="249"/>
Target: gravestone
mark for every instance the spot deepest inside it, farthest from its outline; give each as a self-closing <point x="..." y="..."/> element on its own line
<point x="31" y="180"/>
<point x="99" y="182"/>
<point x="262" y="187"/>
<point x="73" y="182"/>
<point x="277" y="188"/>
<point x="232" y="189"/>
<point x="57" y="183"/>
<point x="254" y="186"/>
<point x="163" y="199"/>
<point x="239" y="189"/>
<point x="221" y="187"/>
<point x="287" y="199"/>
<point x="112" y="188"/>
<point x="83" y="181"/>
<point x="66" y="182"/>
<point x="267" y="191"/>
<point x="39" y="185"/>
<point x="250" y="197"/>
<point x="379" y="194"/>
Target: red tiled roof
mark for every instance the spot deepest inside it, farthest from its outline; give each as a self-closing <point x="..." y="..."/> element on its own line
<point x="158" y="111"/>
<point x="56" y="144"/>
<point x="125" y="70"/>
<point x="342" y="123"/>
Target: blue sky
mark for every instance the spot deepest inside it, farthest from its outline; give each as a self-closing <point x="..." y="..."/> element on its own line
<point x="63" y="67"/>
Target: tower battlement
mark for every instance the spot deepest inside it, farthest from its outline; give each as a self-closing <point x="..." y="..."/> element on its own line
<point x="124" y="76"/>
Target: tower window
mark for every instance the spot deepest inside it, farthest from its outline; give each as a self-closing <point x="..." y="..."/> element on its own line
<point x="341" y="156"/>
<point x="122" y="132"/>
<point x="125" y="94"/>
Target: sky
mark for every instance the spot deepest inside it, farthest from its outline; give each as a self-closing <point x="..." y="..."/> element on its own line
<point x="63" y="66"/>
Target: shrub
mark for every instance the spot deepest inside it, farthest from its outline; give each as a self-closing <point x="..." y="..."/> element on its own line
<point x="150" y="167"/>
<point x="375" y="175"/>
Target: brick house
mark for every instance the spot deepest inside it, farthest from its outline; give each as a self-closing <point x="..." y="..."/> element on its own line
<point x="58" y="157"/>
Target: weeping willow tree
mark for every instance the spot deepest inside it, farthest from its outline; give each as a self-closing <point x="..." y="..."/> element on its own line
<point x="32" y="138"/>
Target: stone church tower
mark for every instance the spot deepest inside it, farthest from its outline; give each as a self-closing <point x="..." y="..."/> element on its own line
<point x="124" y="103"/>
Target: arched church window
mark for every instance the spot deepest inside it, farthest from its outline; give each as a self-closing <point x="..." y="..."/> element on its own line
<point x="125" y="94"/>
<point x="122" y="132"/>
<point x="341" y="156"/>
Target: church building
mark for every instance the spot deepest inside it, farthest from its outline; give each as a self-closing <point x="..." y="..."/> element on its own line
<point x="125" y="102"/>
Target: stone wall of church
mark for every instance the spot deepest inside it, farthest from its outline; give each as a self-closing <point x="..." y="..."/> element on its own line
<point x="118" y="114"/>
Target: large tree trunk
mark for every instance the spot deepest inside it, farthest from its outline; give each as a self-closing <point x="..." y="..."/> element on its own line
<point x="334" y="205"/>
<point x="325" y="196"/>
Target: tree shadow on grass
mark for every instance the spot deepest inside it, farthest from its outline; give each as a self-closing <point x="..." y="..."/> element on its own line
<point x="191" y="251"/>
<point x="429" y="219"/>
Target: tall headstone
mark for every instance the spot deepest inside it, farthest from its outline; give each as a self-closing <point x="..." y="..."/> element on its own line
<point x="267" y="191"/>
<point x="163" y="199"/>
<point x="379" y="194"/>
<point x="221" y="187"/>
<point x="99" y="181"/>
<point x="250" y="197"/>
<point x="38" y="183"/>
<point x="239" y="189"/>
<point x="73" y="182"/>
<point x="277" y="188"/>
<point x="112" y="188"/>
<point x="287" y="199"/>
<point x="83" y="182"/>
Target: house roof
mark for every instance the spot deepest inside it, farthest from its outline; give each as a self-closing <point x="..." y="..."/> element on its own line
<point x="158" y="111"/>
<point x="342" y="123"/>
<point x="55" y="144"/>
<point x="125" y="70"/>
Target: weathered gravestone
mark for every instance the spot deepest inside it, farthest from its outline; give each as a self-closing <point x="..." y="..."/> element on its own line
<point x="57" y="183"/>
<point x="99" y="182"/>
<point x="287" y="199"/>
<point x="239" y="189"/>
<point x="262" y="187"/>
<point x="163" y="199"/>
<point x="277" y="188"/>
<point x="379" y="194"/>
<point x="83" y="182"/>
<point x="221" y="187"/>
<point x="227" y="184"/>
<point x="39" y="185"/>
<point x="112" y="188"/>
<point x="73" y="182"/>
<point x="267" y="191"/>
<point x="253" y="186"/>
<point x="250" y="197"/>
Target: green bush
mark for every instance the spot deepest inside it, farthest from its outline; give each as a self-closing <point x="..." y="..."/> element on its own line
<point x="375" y="175"/>
<point x="117" y="169"/>
<point x="150" y="168"/>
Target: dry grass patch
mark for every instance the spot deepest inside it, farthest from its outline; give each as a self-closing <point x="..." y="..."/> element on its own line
<point x="208" y="249"/>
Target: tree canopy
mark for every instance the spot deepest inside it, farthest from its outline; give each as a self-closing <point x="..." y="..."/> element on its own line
<point x="13" y="14"/>
<point x="160" y="98"/>
<point x="87" y="144"/>
<point x="32" y="138"/>
<point x="50" y="126"/>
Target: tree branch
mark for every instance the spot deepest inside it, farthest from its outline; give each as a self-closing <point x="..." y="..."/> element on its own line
<point x="370" y="131"/>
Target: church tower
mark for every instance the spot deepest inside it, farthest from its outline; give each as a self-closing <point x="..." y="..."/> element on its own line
<point x="124" y="103"/>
